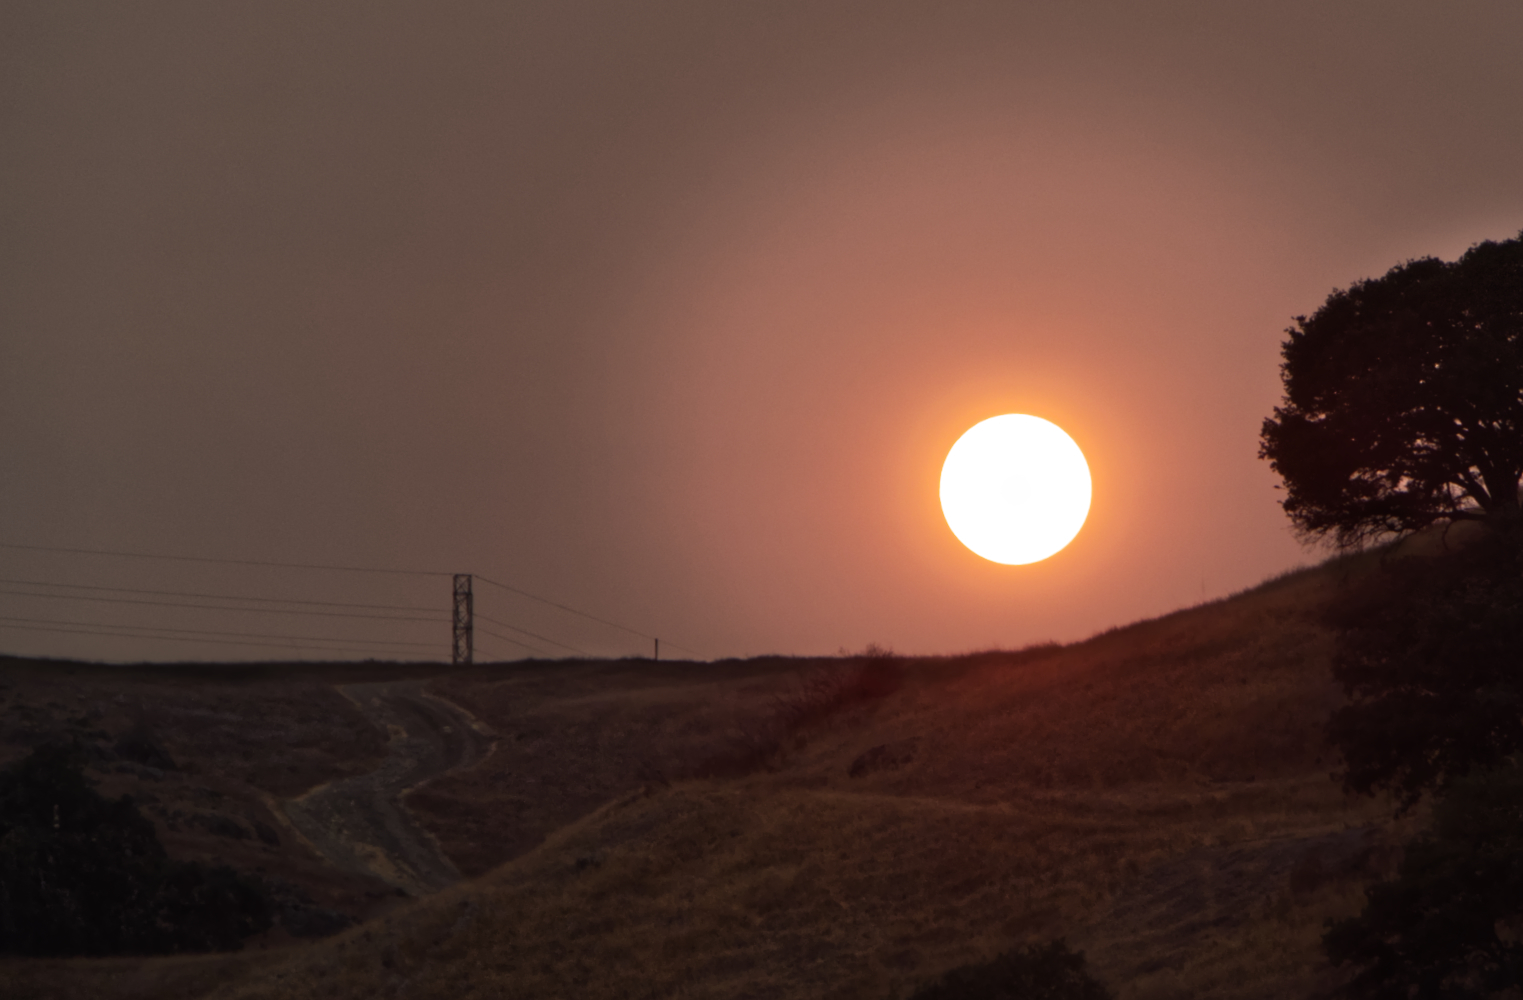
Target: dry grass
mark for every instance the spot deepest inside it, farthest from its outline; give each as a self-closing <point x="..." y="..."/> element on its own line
<point x="1159" y="795"/>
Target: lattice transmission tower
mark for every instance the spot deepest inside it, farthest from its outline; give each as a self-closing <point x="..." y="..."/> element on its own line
<point x="464" y="626"/>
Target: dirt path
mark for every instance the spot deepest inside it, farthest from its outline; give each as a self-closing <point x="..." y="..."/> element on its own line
<point x="360" y="824"/>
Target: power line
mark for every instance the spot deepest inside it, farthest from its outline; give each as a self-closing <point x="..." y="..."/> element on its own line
<point x="248" y="635"/>
<point x="516" y="642"/>
<point x="673" y="645"/>
<point x="490" y="654"/>
<point x="574" y="611"/>
<point x="220" y="597"/>
<point x="531" y="635"/>
<point x="219" y="607"/>
<point x="331" y="568"/>
<point x="228" y="562"/>
<point x="220" y="642"/>
<point x="553" y="604"/>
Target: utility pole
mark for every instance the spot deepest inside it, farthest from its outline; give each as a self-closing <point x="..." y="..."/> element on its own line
<point x="464" y="625"/>
<point x="658" y="649"/>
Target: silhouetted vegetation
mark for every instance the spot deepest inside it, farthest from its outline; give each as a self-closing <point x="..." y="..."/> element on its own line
<point x="1404" y="400"/>
<point x="810" y="698"/>
<point x="1447" y="925"/>
<point x="1038" y="972"/>
<point x="1404" y="410"/>
<point x="1428" y="655"/>
<point x="140" y="746"/>
<point x="817" y="695"/>
<point x="81" y="874"/>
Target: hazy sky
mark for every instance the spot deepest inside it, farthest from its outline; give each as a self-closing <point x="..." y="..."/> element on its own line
<point x="670" y="311"/>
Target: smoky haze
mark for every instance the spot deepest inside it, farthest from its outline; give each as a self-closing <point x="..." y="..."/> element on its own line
<point x="669" y="312"/>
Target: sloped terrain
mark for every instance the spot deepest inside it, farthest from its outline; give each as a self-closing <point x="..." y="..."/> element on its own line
<point x="359" y="824"/>
<point x="1159" y="795"/>
<point x="209" y="754"/>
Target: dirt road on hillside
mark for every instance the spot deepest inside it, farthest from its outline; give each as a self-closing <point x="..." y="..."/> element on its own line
<point x="360" y="824"/>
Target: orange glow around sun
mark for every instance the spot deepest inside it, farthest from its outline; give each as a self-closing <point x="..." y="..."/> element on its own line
<point x="1015" y="489"/>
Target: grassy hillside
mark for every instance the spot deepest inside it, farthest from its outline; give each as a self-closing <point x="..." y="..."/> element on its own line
<point x="1159" y="795"/>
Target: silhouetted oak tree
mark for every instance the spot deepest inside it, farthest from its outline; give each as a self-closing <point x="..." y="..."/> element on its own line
<point x="1404" y="400"/>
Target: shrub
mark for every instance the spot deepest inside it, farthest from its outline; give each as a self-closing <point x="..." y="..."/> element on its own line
<point x="1427" y="653"/>
<point x="820" y="694"/>
<point x="1037" y="972"/>
<point x="809" y="698"/>
<point x="1446" y="925"/>
<point x="81" y="874"/>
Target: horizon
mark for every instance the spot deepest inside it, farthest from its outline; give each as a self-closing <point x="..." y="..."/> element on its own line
<point x="870" y="651"/>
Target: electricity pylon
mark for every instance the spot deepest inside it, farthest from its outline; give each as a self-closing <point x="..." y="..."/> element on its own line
<point x="464" y="626"/>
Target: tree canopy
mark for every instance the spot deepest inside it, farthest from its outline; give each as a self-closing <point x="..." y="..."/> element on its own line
<point x="1404" y="400"/>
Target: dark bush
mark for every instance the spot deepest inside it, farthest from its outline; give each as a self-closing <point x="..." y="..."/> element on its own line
<point x="139" y="747"/>
<point x="299" y="915"/>
<point x="809" y="699"/>
<point x="198" y="908"/>
<point x="1446" y="925"/>
<point x="81" y="874"/>
<point x="819" y="694"/>
<point x="1428" y="655"/>
<point x="140" y="744"/>
<point x="1038" y="972"/>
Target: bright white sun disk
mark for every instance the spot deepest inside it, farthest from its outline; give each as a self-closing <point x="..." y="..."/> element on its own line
<point x="1015" y="489"/>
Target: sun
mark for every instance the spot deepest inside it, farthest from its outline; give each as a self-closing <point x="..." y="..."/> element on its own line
<point x="1015" y="489"/>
